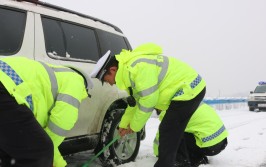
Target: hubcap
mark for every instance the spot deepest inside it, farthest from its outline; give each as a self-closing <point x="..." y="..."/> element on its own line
<point x="125" y="146"/>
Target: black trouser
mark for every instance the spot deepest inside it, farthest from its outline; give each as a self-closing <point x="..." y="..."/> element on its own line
<point x="190" y="151"/>
<point x="172" y="128"/>
<point x="22" y="139"/>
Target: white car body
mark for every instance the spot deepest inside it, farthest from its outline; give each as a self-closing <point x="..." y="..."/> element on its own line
<point x="38" y="38"/>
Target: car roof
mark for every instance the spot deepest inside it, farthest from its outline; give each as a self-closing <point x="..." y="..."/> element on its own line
<point x="48" y="9"/>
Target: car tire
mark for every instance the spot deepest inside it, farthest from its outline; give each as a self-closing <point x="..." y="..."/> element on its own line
<point x="251" y="109"/>
<point x="123" y="150"/>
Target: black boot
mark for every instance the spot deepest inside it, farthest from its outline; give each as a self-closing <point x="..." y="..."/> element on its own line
<point x="184" y="163"/>
<point x="199" y="161"/>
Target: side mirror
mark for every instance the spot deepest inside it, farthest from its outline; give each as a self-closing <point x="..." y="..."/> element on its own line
<point x="251" y="92"/>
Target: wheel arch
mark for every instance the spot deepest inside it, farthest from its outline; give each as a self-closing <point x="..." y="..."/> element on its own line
<point x="119" y="103"/>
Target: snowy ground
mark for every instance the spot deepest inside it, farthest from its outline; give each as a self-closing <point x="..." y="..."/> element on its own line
<point x="246" y="141"/>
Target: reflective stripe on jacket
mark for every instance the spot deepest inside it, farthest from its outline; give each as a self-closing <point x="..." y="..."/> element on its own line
<point x="53" y="93"/>
<point x="155" y="80"/>
<point x="206" y="126"/>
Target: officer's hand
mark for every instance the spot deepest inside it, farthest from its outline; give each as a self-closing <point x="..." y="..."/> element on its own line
<point x="123" y="131"/>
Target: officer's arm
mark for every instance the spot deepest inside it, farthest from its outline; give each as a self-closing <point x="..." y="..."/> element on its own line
<point x="64" y="115"/>
<point x="145" y="80"/>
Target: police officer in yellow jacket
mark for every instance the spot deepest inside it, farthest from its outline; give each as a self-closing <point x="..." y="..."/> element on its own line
<point x="154" y="81"/>
<point x="205" y="135"/>
<point x="39" y="104"/>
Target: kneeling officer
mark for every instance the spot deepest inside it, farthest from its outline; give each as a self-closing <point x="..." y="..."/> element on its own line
<point x="205" y="135"/>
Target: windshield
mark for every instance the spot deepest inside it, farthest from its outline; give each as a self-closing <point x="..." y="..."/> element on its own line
<point x="260" y="89"/>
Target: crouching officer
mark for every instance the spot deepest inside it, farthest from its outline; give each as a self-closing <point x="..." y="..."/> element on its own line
<point x="205" y="135"/>
<point x="154" y="81"/>
<point x="39" y="104"/>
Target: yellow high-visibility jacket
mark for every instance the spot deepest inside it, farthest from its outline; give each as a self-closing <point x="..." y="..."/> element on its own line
<point x="155" y="80"/>
<point x="53" y="93"/>
<point x="206" y="126"/>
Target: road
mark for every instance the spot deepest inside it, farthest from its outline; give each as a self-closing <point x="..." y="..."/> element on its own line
<point x="246" y="148"/>
<point x="80" y="159"/>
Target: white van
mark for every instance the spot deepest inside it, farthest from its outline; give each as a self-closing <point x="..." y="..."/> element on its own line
<point x="257" y="98"/>
<point x="56" y="35"/>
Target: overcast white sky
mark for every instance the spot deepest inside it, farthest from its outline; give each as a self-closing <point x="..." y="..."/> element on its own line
<point x="224" y="40"/>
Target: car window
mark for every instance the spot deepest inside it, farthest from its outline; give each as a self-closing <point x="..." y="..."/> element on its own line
<point x="70" y="41"/>
<point x="110" y="41"/>
<point x="54" y="43"/>
<point x="260" y="89"/>
<point x="12" y="27"/>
